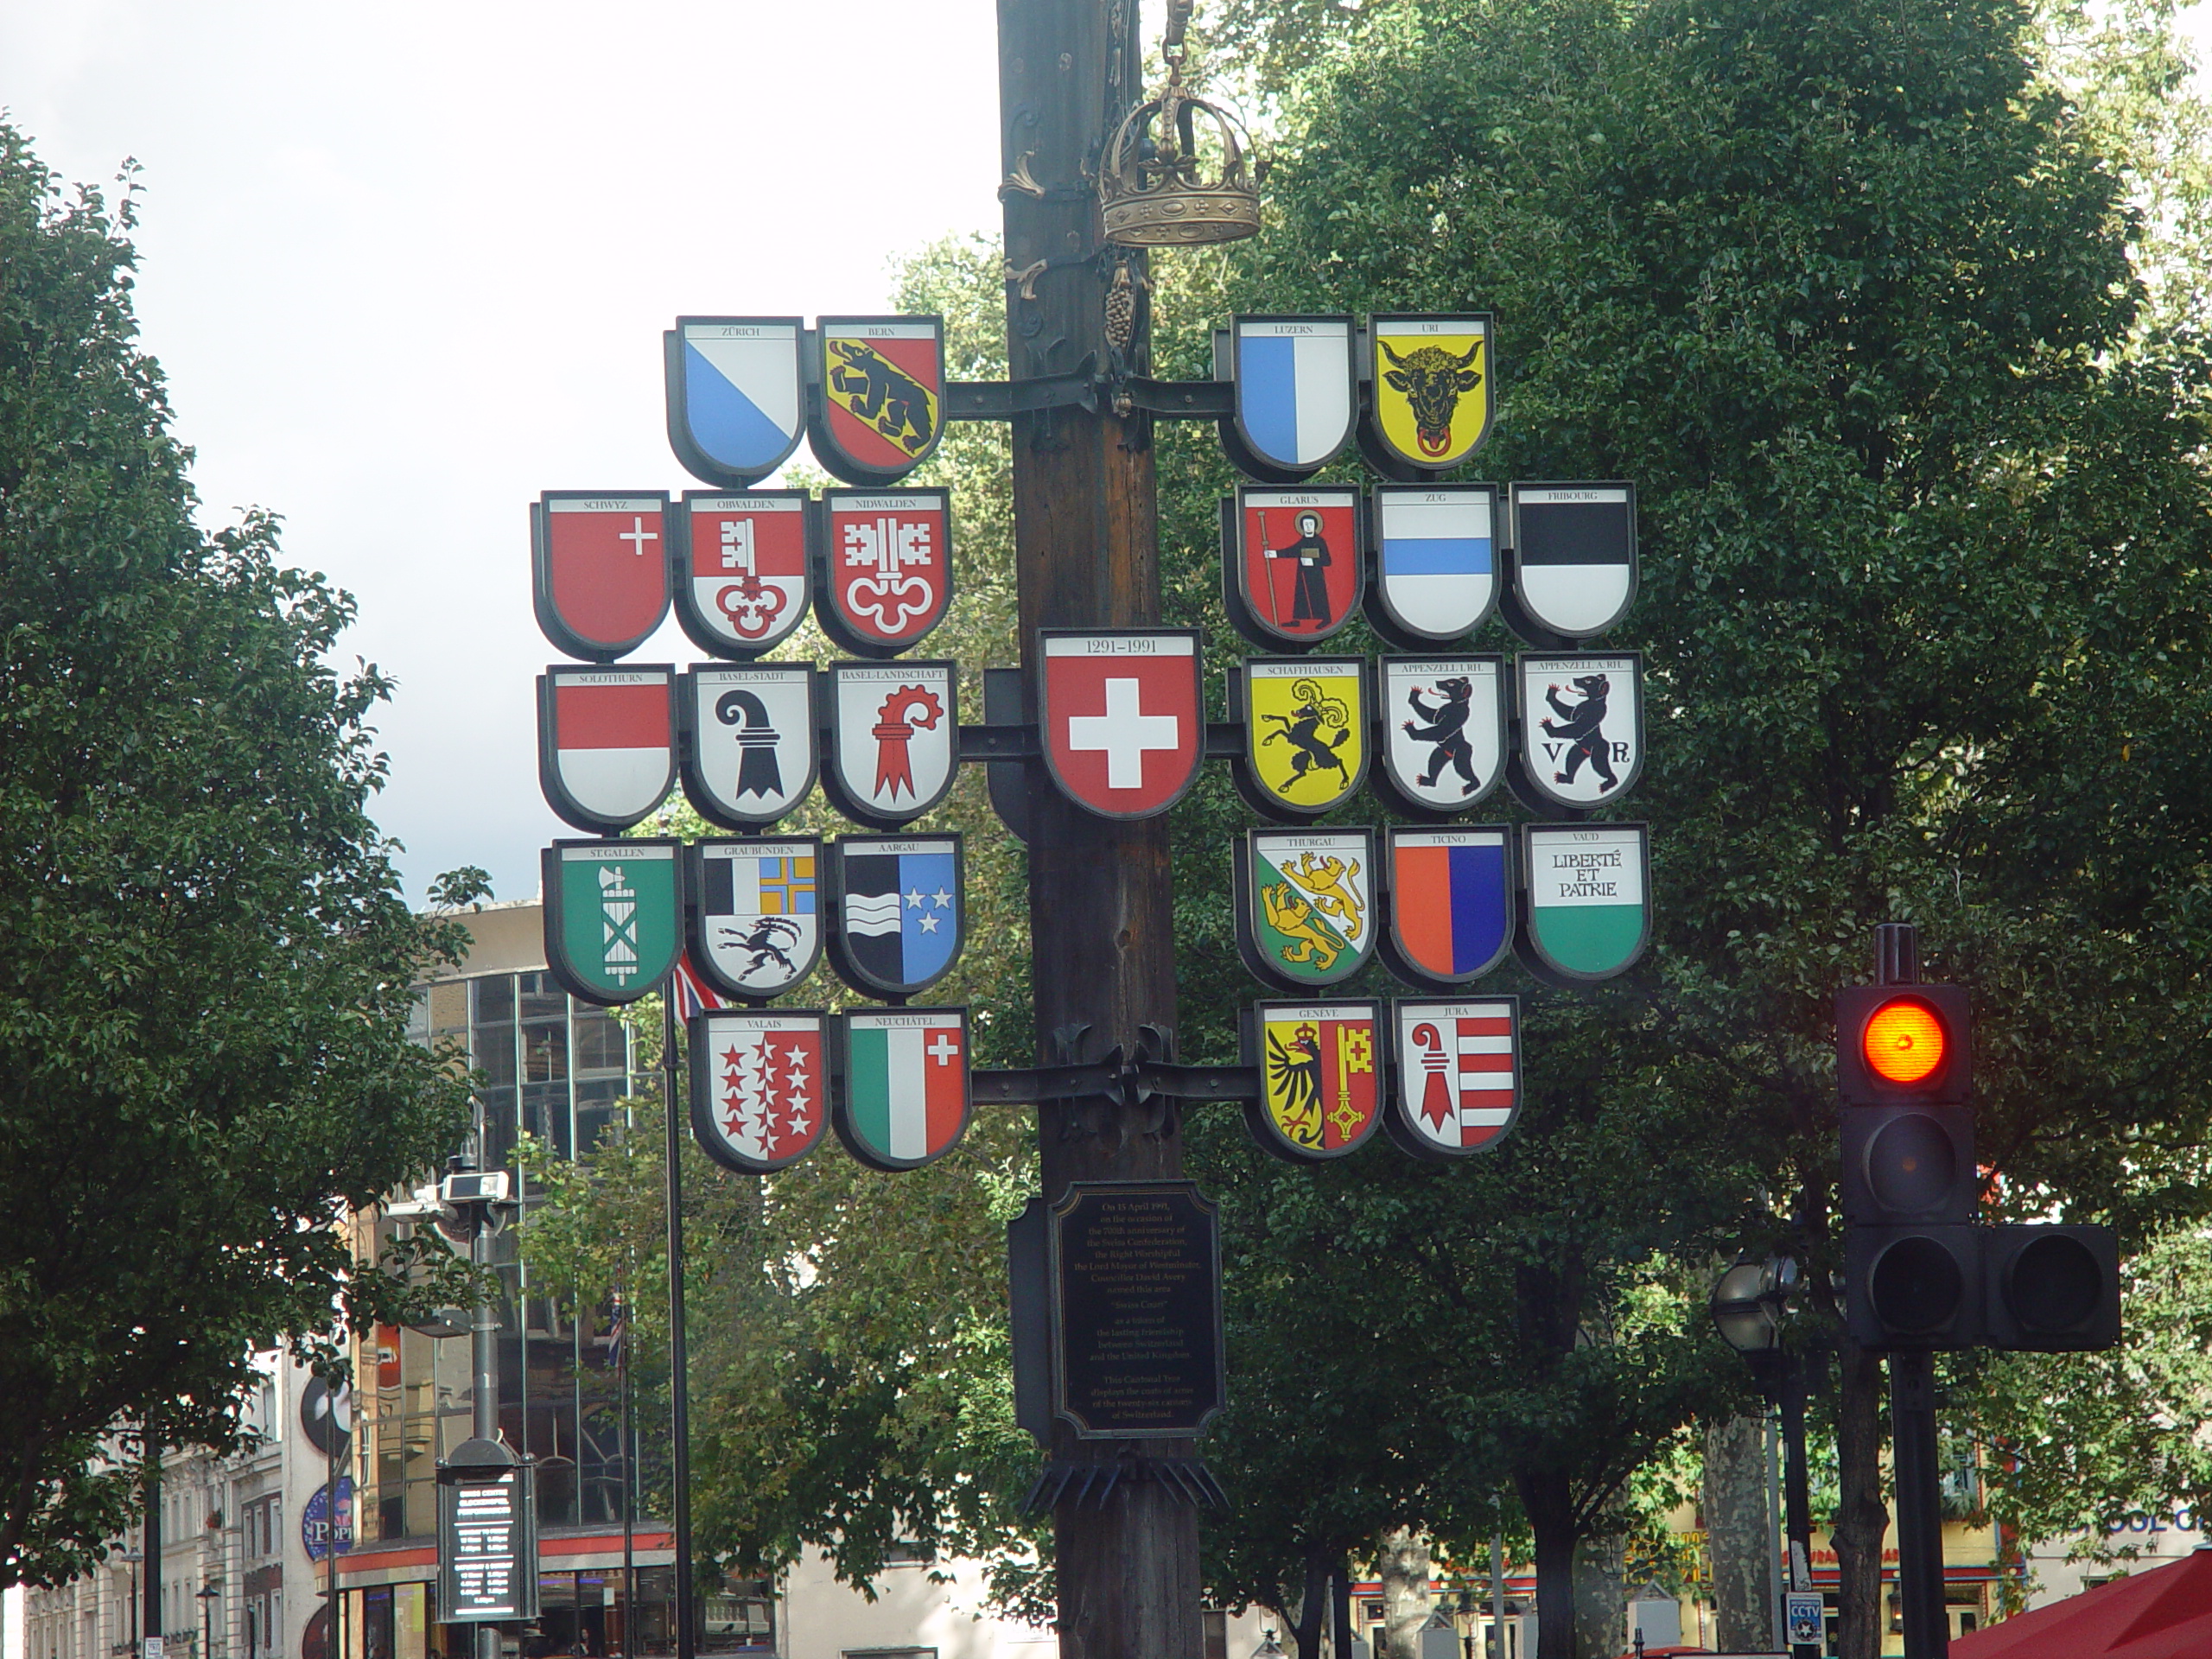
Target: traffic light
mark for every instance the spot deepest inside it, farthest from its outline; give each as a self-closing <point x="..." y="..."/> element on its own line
<point x="2051" y="1289"/>
<point x="1913" y="1286"/>
<point x="1903" y="1045"/>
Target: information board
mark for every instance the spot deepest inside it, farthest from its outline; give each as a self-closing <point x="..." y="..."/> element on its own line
<point x="487" y="1548"/>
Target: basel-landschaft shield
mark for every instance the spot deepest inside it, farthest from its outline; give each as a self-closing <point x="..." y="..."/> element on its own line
<point x="1306" y="733"/>
<point x="1123" y="717"/>
<point x="1290" y="563"/>
<point x="1459" y="1081"/>
<point x="1436" y="561"/>
<point x="1587" y="888"/>
<point x="882" y="399"/>
<point x="894" y="732"/>
<point x="607" y="742"/>
<point x="1431" y="395"/>
<point x="613" y="917"/>
<point x="1581" y="729"/>
<point x="1450" y="898"/>
<point x="1573" y="558"/>
<point x="749" y="741"/>
<point x="760" y="1087"/>
<point x="755" y="914"/>
<point x="736" y="396"/>
<point x="897" y="912"/>
<point x="599" y="570"/>
<point x="1294" y="397"/>
<point x="886" y="568"/>
<point x="1443" y="724"/>
<point x="1305" y="904"/>
<point x="1320" y="1078"/>
<point x="742" y="577"/>
<point x="905" y="1097"/>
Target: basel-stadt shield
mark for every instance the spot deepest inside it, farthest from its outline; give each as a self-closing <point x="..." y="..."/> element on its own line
<point x="905" y="1096"/>
<point x="1443" y="720"/>
<point x="1588" y="899"/>
<point x="749" y="741"/>
<point x="1458" y="1076"/>
<point x="760" y="1087"/>
<point x="1450" y="904"/>
<point x="755" y="914"/>
<point x="742" y="580"/>
<point x="1431" y="388"/>
<point x="1123" y="717"/>
<point x="613" y="917"/>
<point x="1305" y="904"/>
<point x="893" y="739"/>
<point x="1573" y="557"/>
<point x="897" y="911"/>
<point x="1320" y="1078"/>
<point x="1581" y="728"/>
<point x="736" y="396"/>
<point x="1306" y="733"/>
<point x="1292" y="566"/>
<point x="1436" y="561"/>
<point x="1294" y="393"/>
<point x="607" y="742"/>
<point x="887" y="568"/>
<point x="599" y="570"/>
<point x="881" y="403"/>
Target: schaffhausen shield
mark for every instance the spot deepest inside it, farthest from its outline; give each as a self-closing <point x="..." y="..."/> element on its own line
<point x="599" y="570"/>
<point x="743" y="577"/>
<point x="1306" y="733"/>
<point x="1586" y="909"/>
<point x="893" y="739"/>
<point x="878" y="409"/>
<point x="1435" y="562"/>
<point x="1449" y="897"/>
<point x="904" y="1101"/>
<point x="613" y="917"/>
<point x="760" y="1087"/>
<point x="607" y="742"/>
<point x="736" y="396"/>
<point x="1429" y="403"/>
<point x="1123" y="718"/>
<point x="1295" y="399"/>
<point x="896" y="911"/>
<point x="1305" y="904"/>
<point x="1581" y="729"/>
<point x="887" y="568"/>
<point x="755" y="914"/>
<point x="749" y="741"/>
<point x="1291" y="564"/>
<point x="1320" y="1078"/>
<point x="1573" y="559"/>
<point x="1442" y="721"/>
<point x="1458" y="1082"/>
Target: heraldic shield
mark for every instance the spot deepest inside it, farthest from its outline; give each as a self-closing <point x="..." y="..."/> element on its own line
<point x="736" y="396"/>
<point x="1123" y="717"/>
<point x="897" y="911"/>
<point x="1443" y="725"/>
<point x="1450" y="898"/>
<point x="1581" y="729"/>
<point x="1294" y="395"/>
<point x="1291" y="567"/>
<point x="755" y="914"/>
<point x="599" y="570"/>
<point x="1305" y="905"/>
<point x="760" y="1087"/>
<point x="1430" y="403"/>
<point x="607" y="742"/>
<point x="886" y="576"/>
<point x="1306" y="733"/>
<point x="1458" y="1076"/>
<point x="749" y="741"/>
<point x="905" y="1101"/>
<point x="613" y="917"/>
<point x="894" y="739"/>
<point x="1587" y="896"/>
<point x="1435" y="562"/>
<point x="743" y="578"/>
<point x="1573" y="559"/>
<point x="880" y="408"/>
<point x="1320" y="1078"/>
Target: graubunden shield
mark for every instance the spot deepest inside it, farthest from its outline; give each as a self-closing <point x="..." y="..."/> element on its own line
<point x="613" y="917"/>
<point x="599" y="570"/>
<point x="1435" y="565"/>
<point x="754" y="913"/>
<point x="1430" y="405"/>
<point x="749" y="741"/>
<point x="1320" y="1078"/>
<point x="742" y="574"/>
<point x="607" y="742"/>
<point x="1295" y="400"/>
<point x="1581" y="729"/>
<point x="1123" y="718"/>
<point x="1443" y="725"/>
<point x="897" y="910"/>
<point x="887" y="568"/>
<point x="894" y="739"/>
<point x="1459" y="1083"/>
<point x="905" y="1097"/>
<point x="760" y="1087"/>
<point x="1306" y="733"/>
<point x="1573" y="559"/>
<point x="736" y="396"/>
<point x="1449" y="897"/>
<point x="1305" y="904"/>
<point x="1291" y="567"/>
<point x="1587" y="897"/>
<point x="880" y="406"/>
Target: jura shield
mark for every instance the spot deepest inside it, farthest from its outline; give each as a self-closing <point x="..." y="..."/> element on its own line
<point x="893" y="739"/>
<point x="887" y="576"/>
<point x="1293" y="567"/>
<point x="1443" y="724"/>
<point x="1588" y="899"/>
<point x="749" y="741"/>
<point x="1431" y="391"/>
<point x="1123" y="718"/>
<point x="755" y="914"/>
<point x="1459" y="1072"/>
<point x="1294" y="392"/>
<point x="760" y="1087"/>
<point x="1581" y="728"/>
<point x="905" y="1101"/>
<point x="613" y="917"/>
<point x="1435" y="562"/>
<point x="743" y="579"/>
<point x="880" y="407"/>
<point x="897" y="910"/>
<point x="1306" y="731"/>
<point x="736" y="396"/>
<point x="599" y="570"/>
<point x="1573" y="556"/>
<point x="1320" y="1078"/>
<point x="607" y="742"/>
<point x="1305" y="904"/>
<point x="1450" y="898"/>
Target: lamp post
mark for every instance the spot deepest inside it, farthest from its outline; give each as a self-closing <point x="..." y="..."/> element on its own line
<point x="1750" y="1304"/>
<point x="207" y="1594"/>
<point x="133" y="1557"/>
<point x="1467" y="1620"/>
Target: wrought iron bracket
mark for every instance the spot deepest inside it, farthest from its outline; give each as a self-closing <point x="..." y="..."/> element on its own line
<point x="1182" y="400"/>
<point x="1226" y="740"/>
<point x="1025" y="1085"/>
<point x="991" y="742"/>
<point x="1001" y="400"/>
<point x="1164" y="1080"/>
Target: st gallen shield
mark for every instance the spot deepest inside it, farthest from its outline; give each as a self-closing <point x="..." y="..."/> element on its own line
<point x="1586" y="889"/>
<point x="1581" y="729"/>
<point x="894" y="739"/>
<point x="760" y="1087"/>
<point x="1443" y="725"/>
<point x="1573" y="559"/>
<point x="1291" y="567"/>
<point x="1305" y="904"/>
<point x="1306" y="733"/>
<point x="1320" y="1078"/>
<point x="743" y="579"/>
<point x="887" y="568"/>
<point x="736" y="396"/>
<point x="1435" y="562"/>
<point x="1449" y="895"/>
<point x="607" y="742"/>
<point x="904" y="1101"/>
<point x="1123" y="717"/>
<point x="897" y="911"/>
<point x="1295" y="400"/>
<point x="1430" y="399"/>
<point x="749" y="741"/>
<point x="755" y="914"/>
<point x="599" y="570"/>
<point x="613" y="917"/>
<point x="880" y="407"/>
<point x="1458" y="1076"/>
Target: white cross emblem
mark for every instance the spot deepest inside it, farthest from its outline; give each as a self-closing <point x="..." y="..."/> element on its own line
<point x="1124" y="734"/>
<point x="944" y="1051"/>
<point x="637" y="536"/>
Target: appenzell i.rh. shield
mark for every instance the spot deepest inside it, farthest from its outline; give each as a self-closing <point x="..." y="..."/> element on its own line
<point x="880" y="408"/>
<point x="1123" y="717"/>
<point x="759" y="1086"/>
<point x="736" y="396"/>
<point x="599" y="570"/>
<point x="1443" y="720"/>
<point x="607" y="742"/>
<point x="743" y="578"/>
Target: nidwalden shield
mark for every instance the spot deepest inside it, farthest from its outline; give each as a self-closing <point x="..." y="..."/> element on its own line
<point x="1449" y="894"/>
<point x="1459" y="1083"/>
<point x="1573" y="558"/>
<point x="1443" y="725"/>
<point x="760" y="1087"/>
<point x="1306" y="733"/>
<point x="1430" y="404"/>
<point x="736" y="396"/>
<point x="1320" y="1078"/>
<point x="1291" y="567"/>
<point x="599" y="570"/>
<point x="1587" y="887"/>
<point x="613" y="917"/>
<point x="1294" y="395"/>
<point x="1123" y="717"/>
<point x="886" y="577"/>
<point x="880" y="407"/>
<point x="607" y="742"/>
<point x="897" y="912"/>
<point x="749" y="741"/>
<point x="894" y="732"/>
<point x="755" y="914"/>
<point x="1435" y="562"/>
<point x="743" y="579"/>
<point x="1581" y="729"/>
<point x="1305" y="904"/>
<point x="905" y="1101"/>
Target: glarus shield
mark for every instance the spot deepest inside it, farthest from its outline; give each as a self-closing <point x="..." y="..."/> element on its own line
<point x="1435" y="562"/>
<point x="1290" y="563"/>
<point x="1581" y="729"/>
<point x="1587" y="910"/>
<point x="607" y="742"/>
<point x="1294" y="395"/>
<point x="1458" y="1076"/>
<point x="599" y="570"/>
<point x="887" y="568"/>
<point x="881" y="404"/>
<point x="755" y="914"/>
<point x="760" y="1087"/>
<point x="1443" y="725"/>
<point x="749" y="741"/>
<point x="736" y="396"/>
<point x="1430" y="403"/>
<point x="1320" y="1078"/>
<point x="1123" y="718"/>
<point x="613" y="917"/>
<point x="1306" y="733"/>
<point x="894" y="739"/>
<point x="1305" y="904"/>
<point x="742" y="577"/>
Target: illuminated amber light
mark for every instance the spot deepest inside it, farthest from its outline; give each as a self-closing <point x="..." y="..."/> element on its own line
<point x="1904" y="1042"/>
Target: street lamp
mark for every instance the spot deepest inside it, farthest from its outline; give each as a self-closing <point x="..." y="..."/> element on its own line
<point x="133" y="1557"/>
<point x="1749" y="1305"/>
<point x="206" y="1593"/>
<point x="1268" y="1648"/>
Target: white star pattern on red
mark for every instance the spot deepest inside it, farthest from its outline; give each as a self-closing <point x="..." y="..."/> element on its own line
<point x="767" y="1094"/>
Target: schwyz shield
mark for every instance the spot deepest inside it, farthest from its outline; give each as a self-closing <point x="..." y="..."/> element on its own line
<point x="1449" y="893"/>
<point x="1442" y="721"/>
<point x="880" y="404"/>
<point x="749" y="741"/>
<point x="1458" y="1076"/>
<point x="1305" y="904"/>
<point x="1294" y="396"/>
<point x="755" y="914"/>
<point x="1123" y="717"/>
<point x="905" y="1101"/>
<point x="736" y="396"/>
<point x="760" y="1087"/>
<point x="613" y="917"/>
<point x="1586" y="889"/>
<point x="1320" y="1078"/>
<point x="1429" y="403"/>
<point x="897" y="912"/>
<point x="1435" y="562"/>
<point x="743" y="577"/>
<point x="887" y="568"/>
<point x="894" y="739"/>
<point x="599" y="570"/>
<point x="1581" y="729"/>
<point x="1574" y="560"/>
<point x="607" y="742"/>
<point x="1292" y="569"/>
<point x="1306" y="733"/>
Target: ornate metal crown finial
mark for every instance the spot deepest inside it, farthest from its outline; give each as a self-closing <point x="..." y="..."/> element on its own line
<point x="1180" y="171"/>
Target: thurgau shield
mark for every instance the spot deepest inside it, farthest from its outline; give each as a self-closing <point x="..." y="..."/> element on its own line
<point x="1305" y="904"/>
<point x="905" y="1101"/>
<point x="1581" y="729"/>
<point x="1294" y="399"/>
<point x="897" y="912"/>
<point x="887" y="568"/>
<point x="894" y="739"/>
<point x="880" y="407"/>
<point x="1123" y="717"/>
<point x="1573" y="559"/>
<point x="607" y="742"/>
<point x="743" y="579"/>
<point x="1449" y="895"/>
<point x="599" y="570"/>
<point x="613" y="917"/>
<point x="736" y="396"/>
<point x="1430" y="403"/>
<point x="1306" y="733"/>
<point x="1458" y="1076"/>
<point x="1587" y="913"/>
<point x="760" y="1087"/>
<point x="1443" y="725"/>
<point x="1320" y="1078"/>
<point x="1435" y="562"/>
<point x="749" y="741"/>
<point x="1291" y="567"/>
<point x="754" y="913"/>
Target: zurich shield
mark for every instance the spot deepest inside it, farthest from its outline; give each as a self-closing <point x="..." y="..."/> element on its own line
<point x="613" y="917"/>
<point x="1430" y="389"/>
<point x="749" y="741"/>
<point x="1435" y="562"/>
<point x="736" y="396"/>
<point x="599" y="570"/>
<point x="881" y="404"/>
<point x="742" y="578"/>
<point x="1292" y="566"/>
<point x="1294" y="401"/>
<point x="755" y="914"/>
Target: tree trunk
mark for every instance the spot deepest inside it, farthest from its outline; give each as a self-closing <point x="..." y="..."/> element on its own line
<point x="1405" y="1593"/>
<point x="1734" y="1497"/>
<point x="1312" y="1604"/>
<point x="1600" y="1597"/>
<point x="1340" y="1611"/>
<point x="1545" y="1500"/>
<point x="1862" y="1518"/>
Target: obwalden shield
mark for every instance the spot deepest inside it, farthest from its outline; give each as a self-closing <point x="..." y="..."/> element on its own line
<point x="742" y="580"/>
<point x="905" y="1096"/>
<point x="1306" y="733"/>
<point x="1320" y="1078"/>
<point x="1430" y="405"/>
<point x="760" y="1087"/>
<point x="613" y="917"/>
<point x="1305" y="904"/>
<point x="1587" y="910"/>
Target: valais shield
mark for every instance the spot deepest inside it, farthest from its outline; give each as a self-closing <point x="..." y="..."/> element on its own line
<point x="1305" y="904"/>
<point x="1123" y="717"/>
<point x="1443" y="722"/>
<point x="742" y="574"/>
<point x="736" y="396"/>
<point x="1573" y="559"/>
<point x="599" y="570"/>
<point x="607" y="742"/>
<point x="1306" y="732"/>
<point x="1450" y="895"/>
<point x="880" y="408"/>
<point x="749" y="741"/>
<point x="887" y="568"/>
<point x="1458" y="1076"/>
<point x="894" y="739"/>
<point x="1294" y="399"/>
<point x="905" y="1097"/>
<point x="1435" y="562"/>
<point x="1320" y="1078"/>
<point x="1587" y="890"/>
<point x="1581" y="729"/>
<point x="760" y="1087"/>
<point x="755" y="914"/>
<point x="1292" y="565"/>
<point x="1431" y="404"/>
<point x="613" y="917"/>
<point x="897" y="912"/>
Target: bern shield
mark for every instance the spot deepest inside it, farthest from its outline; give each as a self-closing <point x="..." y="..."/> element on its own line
<point x="1459" y="1081"/>
<point x="755" y="914"/>
<point x="613" y="917"/>
<point x="1449" y="894"/>
<point x="1573" y="560"/>
<point x="905" y="1101"/>
<point x="607" y="742"/>
<point x="1435" y="562"/>
<point x="896" y="911"/>
<point x="749" y="741"/>
<point x="1581" y="730"/>
<point x="743" y="581"/>
<point x="893" y="739"/>
<point x="1290" y="563"/>
<point x="599" y="570"/>
<point x="1587" y="888"/>
<point x="760" y="1087"/>
<point x="1443" y="732"/>
<point x="1294" y="397"/>
<point x="736" y="396"/>
<point x="1430" y="396"/>
<point x="1306" y="733"/>
<point x="886" y="568"/>
<point x="1320" y="1078"/>
<point x="1123" y="717"/>
<point x="1305" y="905"/>
<point x="879" y="407"/>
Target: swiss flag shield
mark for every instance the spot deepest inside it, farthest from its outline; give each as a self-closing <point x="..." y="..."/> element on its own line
<point x="599" y="570"/>
<point x="1124" y="723"/>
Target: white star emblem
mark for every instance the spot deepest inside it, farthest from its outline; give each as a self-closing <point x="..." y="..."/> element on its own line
<point x="941" y="900"/>
<point x="929" y="923"/>
<point x="915" y="900"/>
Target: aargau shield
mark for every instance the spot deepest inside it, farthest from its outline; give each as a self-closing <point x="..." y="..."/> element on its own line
<point x="1573" y="559"/>
<point x="599" y="570"/>
<point x="1320" y="1078"/>
<point x="1291" y="567"/>
<point x="1430" y="394"/>
<point x="1587" y="896"/>
<point x="1306" y="733"/>
<point x="736" y="396"/>
<point x="897" y="910"/>
<point x="1435" y="562"/>
<point x="1305" y="905"/>
<point x="1458" y="1083"/>
<point x="887" y="568"/>
<point x="1295" y="400"/>
<point x="754" y="914"/>
<point x="760" y="1087"/>
<point x="881" y="404"/>
<point x="1443" y="725"/>
<point x="1449" y="895"/>
<point x="904" y="1103"/>
<point x="894" y="739"/>
<point x="1123" y="717"/>
<point x="1581" y="729"/>
<point x="743" y="577"/>
<point x="749" y="741"/>
<point x="607" y="742"/>
<point x="613" y="917"/>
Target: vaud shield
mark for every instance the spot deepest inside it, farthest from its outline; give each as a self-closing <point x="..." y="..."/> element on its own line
<point x="880" y="407"/>
<point x="1443" y="725"/>
<point x="1573" y="559"/>
<point x="613" y="917"/>
<point x="1429" y="403"/>
<point x="749" y="741"/>
<point x="1586" y="894"/>
<point x="894" y="739"/>
<point x="1458" y="1083"/>
<point x="897" y="912"/>
<point x="1305" y="905"/>
<point x="904" y="1101"/>
<point x="1320" y="1078"/>
<point x="754" y="914"/>
<point x="1435" y="562"/>
<point x="1449" y="895"/>
<point x="1123" y="717"/>
<point x="599" y="570"/>
<point x="1292" y="569"/>
<point x="607" y="742"/>
<point x="887" y="568"/>
<point x="760" y="1087"/>
<point x="1294" y="397"/>
<point x="1306" y="733"/>
<point x="1581" y="729"/>
<point x="743" y="578"/>
<point x="736" y="396"/>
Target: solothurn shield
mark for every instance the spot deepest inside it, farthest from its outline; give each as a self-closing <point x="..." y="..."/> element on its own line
<point x="1320" y="1078"/>
<point x="894" y="736"/>
<point x="1294" y="399"/>
<point x="905" y="1101"/>
<point x="1586" y="894"/>
<point x="736" y="396"/>
<point x="749" y="741"/>
<point x="1458" y="1082"/>
<point x="880" y="407"/>
<point x="607" y="742"/>
<point x="887" y="568"/>
<point x="759" y="1086"/>
<point x="755" y="914"/>
<point x="1123" y="717"/>
<point x="1430" y="396"/>
<point x="1305" y="905"/>
<point x="1573" y="559"/>
<point x="1449" y="894"/>
<point x="1581" y="729"/>
<point x="1443" y="725"/>
<point x="599" y="570"/>
<point x="1306" y="732"/>
<point x="1292" y="569"/>
<point x="896" y="911"/>
<point x="743" y="579"/>
<point x="1435" y="562"/>
<point x="613" y="917"/>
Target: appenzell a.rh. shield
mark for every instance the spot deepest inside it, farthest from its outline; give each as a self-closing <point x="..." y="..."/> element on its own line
<point x="1295" y="396"/>
<point x="613" y="917"/>
<point x="1581" y="728"/>
<point x="599" y="570"/>
<point x="1292" y="569"/>
<point x="736" y="396"/>
<point x="906" y="1099"/>
<point x="880" y="407"/>
<point x="755" y="914"/>
<point x="1431" y="391"/>
<point x="893" y="730"/>
<point x="1435" y="562"/>
<point x="750" y="745"/>
<point x="759" y="1086"/>
<point x="1450" y="898"/>
<point x="1123" y="717"/>
<point x="1458" y="1076"/>
<point x="607" y="742"/>
<point x="743" y="578"/>
<point x="1320" y="1078"/>
<point x="886" y="576"/>
<point x="1586" y="890"/>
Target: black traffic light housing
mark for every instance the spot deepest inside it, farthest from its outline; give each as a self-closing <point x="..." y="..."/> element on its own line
<point x="1905" y="1164"/>
<point x="1952" y="1081"/>
<point x="2051" y="1289"/>
<point x="1914" y="1286"/>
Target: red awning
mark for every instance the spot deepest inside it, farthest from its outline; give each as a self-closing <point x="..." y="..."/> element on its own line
<point x="2165" y="1613"/>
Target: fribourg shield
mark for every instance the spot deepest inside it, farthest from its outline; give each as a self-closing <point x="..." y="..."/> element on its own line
<point x="1292" y="566"/>
<point x="736" y="396"/>
<point x="1449" y="897"/>
<point x="1443" y="723"/>
<point x="1320" y="1078"/>
<point x="886" y="574"/>
<point x="1294" y="401"/>
<point x="1123" y="717"/>
<point x="749" y="741"/>
<point x="607" y="742"/>
<point x="1588" y="889"/>
<point x="1458" y="1076"/>
<point x="905" y="1097"/>
<point x="881" y="405"/>
<point x="897" y="911"/>
<point x="755" y="914"/>
<point x="760" y="1087"/>
<point x="742" y="578"/>
<point x="613" y="917"/>
<point x="1430" y="405"/>
<point x="1581" y="728"/>
<point x="599" y="570"/>
<point x="1436" y="561"/>
<point x="1573" y="556"/>
<point x="1305" y="904"/>
<point x="1306" y="733"/>
<point x="894" y="735"/>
